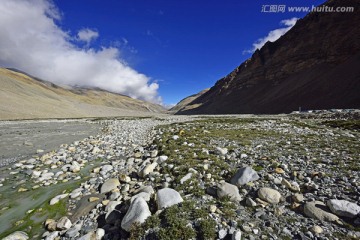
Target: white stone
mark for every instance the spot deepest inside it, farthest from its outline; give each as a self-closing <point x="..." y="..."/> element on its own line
<point x="167" y="197"/>
<point x="148" y="169"/>
<point x="221" y="151"/>
<point x="109" y="185"/>
<point x="154" y="153"/>
<point x="75" y="167"/>
<point x="63" y="224"/>
<point x="186" y="177"/>
<point x="46" y="176"/>
<point x="107" y="168"/>
<point x="236" y="235"/>
<point x="243" y="176"/>
<point x="35" y="174"/>
<point x="56" y="199"/>
<point x="162" y="159"/>
<point x="138" y="212"/>
<point x="222" y="233"/>
<point x="100" y="233"/>
<point x="316" y="229"/>
<point x="75" y="193"/>
<point x="95" y="150"/>
<point x="124" y="178"/>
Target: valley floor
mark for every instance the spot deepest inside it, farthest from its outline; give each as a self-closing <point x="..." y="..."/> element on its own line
<point x="248" y="177"/>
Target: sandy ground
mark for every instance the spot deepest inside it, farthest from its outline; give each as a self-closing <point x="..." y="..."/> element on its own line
<point x="21" y="139"/>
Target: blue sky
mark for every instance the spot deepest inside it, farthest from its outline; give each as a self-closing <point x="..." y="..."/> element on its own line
<point x="183" y="45"/>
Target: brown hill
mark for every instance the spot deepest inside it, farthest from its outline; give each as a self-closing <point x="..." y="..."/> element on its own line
<point x="23" y="97"/>
<point x="315" y="65"/>
<point x="185" y="103"/>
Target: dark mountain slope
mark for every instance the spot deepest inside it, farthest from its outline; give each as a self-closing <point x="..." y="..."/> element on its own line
<point x="316" y="65"/>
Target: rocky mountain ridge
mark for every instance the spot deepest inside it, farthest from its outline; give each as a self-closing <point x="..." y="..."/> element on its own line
<point x="313" y="66"/>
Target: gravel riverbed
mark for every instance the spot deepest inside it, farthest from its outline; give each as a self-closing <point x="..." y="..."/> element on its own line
<point x="178" y="177"/>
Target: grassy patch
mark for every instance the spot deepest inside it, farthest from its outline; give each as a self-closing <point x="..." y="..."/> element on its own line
<point x="344" y="124"/>
<point x="183" y="221"/>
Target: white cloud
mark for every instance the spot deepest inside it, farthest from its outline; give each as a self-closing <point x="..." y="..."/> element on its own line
<point x="31" y="40"/>
<point x="87" y="35"/>
<point x="273" y="35"/>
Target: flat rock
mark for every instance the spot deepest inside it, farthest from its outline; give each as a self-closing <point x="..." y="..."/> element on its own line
<point x="17" y="236"/>
<point x="83" y="206"/>
<point x="56" y="199"/>
<point x="168" y="197"/>
<point x="138" y="212"/>
<point x="244" y="175"/>
<point x="269" y="195"/>
<point x="318" y="210"/>
<point x="109" y="185"/>
<point x="343" y="208"/>
<point x="226" y="189"/>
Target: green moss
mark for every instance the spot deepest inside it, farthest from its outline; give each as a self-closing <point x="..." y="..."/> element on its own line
<point x="177" y="230"/>
<point x="175" y="222"/>
<point x="227" y="207"/>
<point x="207" y="229"/>
<point x="258" y="168"/>
<point x="31" y="224"/>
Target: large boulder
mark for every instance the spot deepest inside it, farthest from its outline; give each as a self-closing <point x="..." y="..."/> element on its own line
<point x="138" y="212"/>
<point x="243" y="176"/>
<point x="343" y="208"/>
